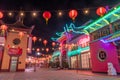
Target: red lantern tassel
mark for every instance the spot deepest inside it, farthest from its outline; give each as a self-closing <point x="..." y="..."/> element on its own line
<point x="3" y="31"/>
<point x="73" y="19"/>
<point x="46" y="20"/>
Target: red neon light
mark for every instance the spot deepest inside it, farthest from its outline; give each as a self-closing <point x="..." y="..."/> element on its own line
<point x="83" y="40"/>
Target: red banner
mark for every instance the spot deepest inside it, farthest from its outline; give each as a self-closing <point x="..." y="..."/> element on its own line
<point x="15" y="51"/>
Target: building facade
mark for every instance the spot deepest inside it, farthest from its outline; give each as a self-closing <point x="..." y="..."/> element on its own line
<point x="14" y="51"/>
<point x="79" y="53"/>
<point x="104" y="41"/>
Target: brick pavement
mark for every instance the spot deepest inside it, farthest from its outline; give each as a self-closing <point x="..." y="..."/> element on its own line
<point x="52" y="74"/>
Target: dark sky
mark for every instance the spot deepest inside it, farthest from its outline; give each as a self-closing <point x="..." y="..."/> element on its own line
<point x="56" y="23"/>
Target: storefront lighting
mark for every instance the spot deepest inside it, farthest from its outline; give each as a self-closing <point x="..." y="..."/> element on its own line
<point x="3" y="44"/>
<point x="78" y="51"/>
<point x="38" y="53"/>
<point x="13" y="46"/>
<point x="13" y="30"/>
<point x="56" y="53"/>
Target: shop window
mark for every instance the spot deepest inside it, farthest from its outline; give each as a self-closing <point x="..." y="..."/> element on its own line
<point x="85" y="60"/>
<point x="73" y="61"/>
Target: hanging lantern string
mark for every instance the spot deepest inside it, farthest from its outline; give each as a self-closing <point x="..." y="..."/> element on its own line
<point x="35" y="10"/>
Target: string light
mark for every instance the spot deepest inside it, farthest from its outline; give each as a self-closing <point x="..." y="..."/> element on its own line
<point x="86" y="11"/>
<point x="37" y="49"/>
<point x="60" y="13"/>
<point x="34" y="14"/>
<point x="52" y="48"/>
<point x="40" y="39"/>
<point x="10" y="14"/>
<point x="21" y="14"/>
<point x="42" y="49"/>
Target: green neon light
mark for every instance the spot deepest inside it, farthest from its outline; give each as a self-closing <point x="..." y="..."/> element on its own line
<point x="116" y="34"/>
<point x="116" y="15"/>
<point x="75" y="29"/>
<point x="84" y="49"/>
<point x="59" y="33"/>
<point x="92" y="28"/>
<point x="56" y="53"/>
<point x="98" y="25"/>
<point x="54" y="39"/>
<point x="86" y="32"/>
<point x="77" y="52"/>
<point x="107" y="22"/>
<point x="73" y="26"/>
<point x="110" y="14"/>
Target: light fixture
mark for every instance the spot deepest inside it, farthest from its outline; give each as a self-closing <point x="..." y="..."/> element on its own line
<point x="86" y="11"/>
<point x="34" y="14"/>
<point x="22" y="14"/>
<point x="10" y="14"/>
<point x="60" y="13"/>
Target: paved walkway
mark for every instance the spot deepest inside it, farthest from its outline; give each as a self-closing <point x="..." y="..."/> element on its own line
<point x="52" y="74"/>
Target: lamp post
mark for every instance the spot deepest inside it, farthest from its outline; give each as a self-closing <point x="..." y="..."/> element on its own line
<point x="37" y="55"/>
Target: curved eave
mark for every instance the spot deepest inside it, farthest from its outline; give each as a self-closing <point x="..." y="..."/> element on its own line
<point x="62" y="38"/>
<point x="19" y="26"/>
<point x="112" y="16"/>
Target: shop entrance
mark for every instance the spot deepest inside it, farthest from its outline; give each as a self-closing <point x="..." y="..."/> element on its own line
<point x="13" y="64"/>
<point x="85" y="60"/>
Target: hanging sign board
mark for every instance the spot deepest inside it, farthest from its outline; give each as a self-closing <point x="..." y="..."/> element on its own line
<point x="15" y="51"/>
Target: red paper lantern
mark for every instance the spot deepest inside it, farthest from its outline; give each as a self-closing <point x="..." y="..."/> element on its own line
<point x="3" y="27"/>
<point x="47" y="49"/>
<point x="34" y="39"/>
<point x="1" y="15"/>
<point x="21" y="34"/>
<point x="73" y="14"/>
<point x="38" y="49"/>
<point x="46" y="16"/>
<point x="45" y="42"/>
<point x="53" y="44"/>
<point x="101" y="11"/>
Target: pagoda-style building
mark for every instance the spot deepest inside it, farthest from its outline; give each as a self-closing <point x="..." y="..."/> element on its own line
<point x="14" y="47"/>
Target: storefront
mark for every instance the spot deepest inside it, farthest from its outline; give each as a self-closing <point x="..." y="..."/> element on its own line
<point x="55" y="56"/>
<point x="14" y="50"/>
<point x="104" y="44"/>
<point x="80" y="54"/>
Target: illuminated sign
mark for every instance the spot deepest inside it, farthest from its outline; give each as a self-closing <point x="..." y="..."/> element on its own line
<point x="15" y="51"/>
<point x="84" y="41"/>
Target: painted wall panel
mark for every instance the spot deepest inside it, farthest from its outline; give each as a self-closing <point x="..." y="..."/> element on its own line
<point x="111" y="56"/>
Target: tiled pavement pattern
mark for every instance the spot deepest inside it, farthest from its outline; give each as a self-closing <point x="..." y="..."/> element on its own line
<point x="52" y="74"/>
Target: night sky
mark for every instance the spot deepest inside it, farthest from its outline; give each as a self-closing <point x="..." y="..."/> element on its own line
<point x="56" y="23"/>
